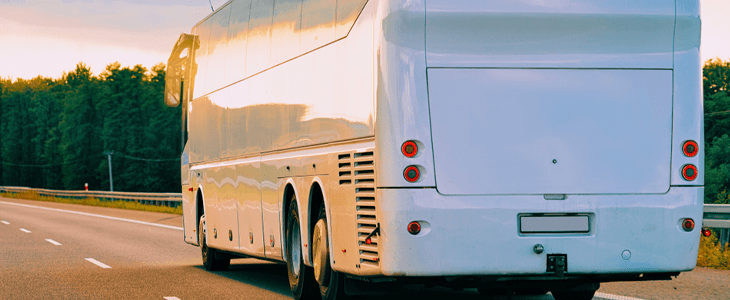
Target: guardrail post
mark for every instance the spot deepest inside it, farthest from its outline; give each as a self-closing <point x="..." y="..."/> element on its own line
<point x="724" y="238"/>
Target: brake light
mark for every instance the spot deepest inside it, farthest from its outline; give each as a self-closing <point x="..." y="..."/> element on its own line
<point x="688" y="224"/>
<point x="689" y="172"/>
<point x="411" y="174"/>
<point x="690" y="148"/>
<point x="409" y="149"/>
<point x="414" y="228"/>
<point x="706" y="232"/>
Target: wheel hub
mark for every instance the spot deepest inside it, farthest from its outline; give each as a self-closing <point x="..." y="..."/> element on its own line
<point x="320" y="253"/>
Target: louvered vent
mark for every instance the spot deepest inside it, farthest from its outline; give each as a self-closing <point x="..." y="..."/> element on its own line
<point x="364" y="181"/>
<point x="345" y="169"/>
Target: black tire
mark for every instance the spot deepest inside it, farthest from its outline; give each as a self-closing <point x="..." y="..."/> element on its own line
<point x="573" y="295"/>
<point x="210" y="262"/>
<point x="301" y="277"/>
<point x="333" y="285"/>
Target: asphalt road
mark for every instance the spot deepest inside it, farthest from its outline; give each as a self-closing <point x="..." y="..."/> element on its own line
<point x="65" y="251"/>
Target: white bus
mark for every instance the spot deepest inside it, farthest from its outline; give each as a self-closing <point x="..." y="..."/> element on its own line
<point x="508" y="146"/>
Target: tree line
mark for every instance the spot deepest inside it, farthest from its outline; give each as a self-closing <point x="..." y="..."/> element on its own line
<point x="54" y="133"/>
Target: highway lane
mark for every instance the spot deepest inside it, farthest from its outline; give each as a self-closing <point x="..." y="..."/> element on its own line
<point x="151" y="261"/>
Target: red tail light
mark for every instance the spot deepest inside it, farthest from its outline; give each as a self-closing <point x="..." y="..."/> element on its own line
<point x="688" y="224"/>
<point x="409" y="149"/>
<point x="411" y="174"/>
<point x="690" y="148"/>
<point x="689" y="172"/>
<point x="414" y="227"/>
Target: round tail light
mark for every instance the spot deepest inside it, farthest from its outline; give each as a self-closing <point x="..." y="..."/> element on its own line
<point x="688" y="224"/>
<point x="689" y="172"/>
<point x="706" y="232"/>
<point x="411" y="174"/>
<point x="409" y="149"/>
<point x="690" y="148"/>
<point x="414" y="227"/>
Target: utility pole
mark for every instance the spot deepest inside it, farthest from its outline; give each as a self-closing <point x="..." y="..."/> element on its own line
<point x="111" y="179"/>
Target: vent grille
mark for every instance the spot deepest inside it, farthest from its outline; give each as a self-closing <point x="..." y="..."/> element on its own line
<point x="358" y="169"/>
<point x="367" y="221"/>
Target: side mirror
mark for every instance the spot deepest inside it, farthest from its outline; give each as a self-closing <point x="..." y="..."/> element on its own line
<point x="178" y="69"/>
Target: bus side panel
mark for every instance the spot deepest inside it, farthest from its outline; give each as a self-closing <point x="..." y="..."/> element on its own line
<point x="402" y="92"/>
<point x="688" y="111"/>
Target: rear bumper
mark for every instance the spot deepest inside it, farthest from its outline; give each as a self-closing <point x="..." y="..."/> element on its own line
<point x="479" y="235"/>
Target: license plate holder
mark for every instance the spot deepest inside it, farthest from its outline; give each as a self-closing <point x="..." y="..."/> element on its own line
<point x="552" y="224"/>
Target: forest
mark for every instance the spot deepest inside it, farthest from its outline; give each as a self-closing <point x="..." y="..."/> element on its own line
<point x="56" y="133"/>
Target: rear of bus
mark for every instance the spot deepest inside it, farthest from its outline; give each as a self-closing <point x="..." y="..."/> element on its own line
<point x="553" y="144"/>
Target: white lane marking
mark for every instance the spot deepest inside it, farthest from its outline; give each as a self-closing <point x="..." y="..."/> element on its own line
<point x="171" y="298"/>
<point x="615" y="297"/>
<point x="53" y="242"/>
<point x="5" y="222"/>
<point x="98" y="263"/>
<point x="95" y="215"/>
<point x="24" y="230"/>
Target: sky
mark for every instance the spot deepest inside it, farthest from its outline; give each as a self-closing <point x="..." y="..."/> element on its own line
<point x="49" y="37"/>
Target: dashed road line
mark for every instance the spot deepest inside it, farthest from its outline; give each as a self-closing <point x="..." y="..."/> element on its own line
<point x="24" y="230"/>
<point x="171" y="298"/>
<point x="98" y="263"/>
<point x="95" y="215"/>
<point x="5" y="222"/>
<point x="615" y="297"/>
<point x="53" y="242"/>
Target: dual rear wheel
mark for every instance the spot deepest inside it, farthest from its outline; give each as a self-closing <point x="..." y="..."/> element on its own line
<point x="321" y="281"/>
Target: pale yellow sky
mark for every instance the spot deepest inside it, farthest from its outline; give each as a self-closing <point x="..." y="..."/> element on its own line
<point x="48" y="37"/>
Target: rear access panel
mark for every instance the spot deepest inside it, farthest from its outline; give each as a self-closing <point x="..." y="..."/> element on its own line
<point x="551" y="131"/>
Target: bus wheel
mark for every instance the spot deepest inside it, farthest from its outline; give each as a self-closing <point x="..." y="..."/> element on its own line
<point x="210" y="262"/>
<point x="573" y="295"/>
<point x="331" y="283"/>
<point x="301" y="277"/>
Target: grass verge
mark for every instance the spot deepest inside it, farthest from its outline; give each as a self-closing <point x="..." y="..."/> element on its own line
<point x="32" y="195"/>
<point x="710" y="254"/>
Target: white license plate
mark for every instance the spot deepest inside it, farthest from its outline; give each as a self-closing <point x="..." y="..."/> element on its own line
<point x="554" y="224"/>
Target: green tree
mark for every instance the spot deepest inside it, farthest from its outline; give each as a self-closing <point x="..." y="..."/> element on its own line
<point x="716" y="80"/>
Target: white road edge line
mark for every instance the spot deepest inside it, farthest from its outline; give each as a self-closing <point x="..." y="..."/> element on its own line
<point x="53" y="242"/>
<point x="98" y="263"/>
<point x="615" y="297"/>
<point x="24" y="230"/>
<point x="6" y="222"/>
<point x="95" y="215"/>
<point x="171" y="298"/>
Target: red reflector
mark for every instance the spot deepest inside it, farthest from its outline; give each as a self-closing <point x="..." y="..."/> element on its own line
<point x="706" y="232"/>
<point x="411" y="174"/>
<point x="368" y="241"/>
<point x="689" y="172"/>
<point x="409" y="149"/>
<point x="414" y="228"/>
<point x="190" y="189"/>
<point x="690" y="148"/>
<point x="375" y="259"/>
<point x="688" y="224"/>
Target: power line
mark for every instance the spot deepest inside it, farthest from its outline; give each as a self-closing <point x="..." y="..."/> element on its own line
<point x="145" y="159"/>
<point x="84" y="159"/>
<point x="48" y="165"/>
<point x="717" y="113"/>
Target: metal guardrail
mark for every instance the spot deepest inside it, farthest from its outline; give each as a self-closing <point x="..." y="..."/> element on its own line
<point x="718" y="216"/>
<point x="166" y="199"/>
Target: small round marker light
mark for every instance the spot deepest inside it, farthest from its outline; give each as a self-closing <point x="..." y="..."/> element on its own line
<point x="690" y="148"/>
<point x="409" y="149"/>
<point x="688" y="224"/>
<point x="414" y="227"/>
<point x="411" y="174"/>
<point x="706" y="232"/>
<point x="689" y="172"/>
